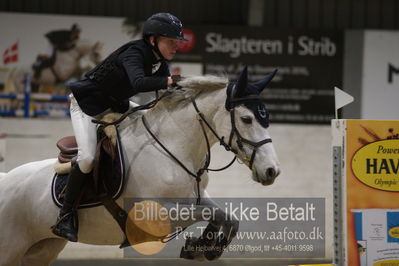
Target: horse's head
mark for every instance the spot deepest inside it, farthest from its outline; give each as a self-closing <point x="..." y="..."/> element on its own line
<point x="245" y="125"/>
<point x="87" y="48"/>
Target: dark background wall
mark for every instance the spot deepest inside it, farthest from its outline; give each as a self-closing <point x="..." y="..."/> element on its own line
<point x="298" y="14"/>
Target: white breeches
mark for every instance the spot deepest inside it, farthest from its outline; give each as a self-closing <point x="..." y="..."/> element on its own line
<point x="85" y="134"/>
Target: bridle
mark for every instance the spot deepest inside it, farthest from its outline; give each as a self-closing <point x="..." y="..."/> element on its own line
<point x="241" y="141"/>
<point x="231" y="103"/>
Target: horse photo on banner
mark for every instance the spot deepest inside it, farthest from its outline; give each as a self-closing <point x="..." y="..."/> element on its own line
<point x="67" y="58"/>
<point x="53" y="51"/>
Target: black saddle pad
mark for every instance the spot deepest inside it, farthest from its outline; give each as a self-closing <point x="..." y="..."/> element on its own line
<point x="90" y="198"/>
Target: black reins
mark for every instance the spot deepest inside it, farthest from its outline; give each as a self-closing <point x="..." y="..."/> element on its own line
<point x="133" y="110"/>
<point x="203" y="121"/>
<point x="241" y="141"/>
<point x="205" y="167"/>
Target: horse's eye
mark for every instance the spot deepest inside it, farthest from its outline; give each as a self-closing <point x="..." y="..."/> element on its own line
<point x="246" y="119"/>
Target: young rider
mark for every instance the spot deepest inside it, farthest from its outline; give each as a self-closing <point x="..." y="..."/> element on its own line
<point x="138" y="66"/>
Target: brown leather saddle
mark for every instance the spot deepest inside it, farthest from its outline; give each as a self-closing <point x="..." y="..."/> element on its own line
<point x="105" y="186"/>
<point x="107" y="177"/>
<point x="68" y="149"/>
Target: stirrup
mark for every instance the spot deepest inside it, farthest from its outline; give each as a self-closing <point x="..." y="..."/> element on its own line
<point x="62" y="218"/>
<point x="72" y="234"/>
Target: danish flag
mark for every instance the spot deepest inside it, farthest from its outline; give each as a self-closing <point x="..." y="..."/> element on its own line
<point x="10" y="55"/>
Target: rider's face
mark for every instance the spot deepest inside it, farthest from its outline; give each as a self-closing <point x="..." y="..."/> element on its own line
<point x="168" y="47"/>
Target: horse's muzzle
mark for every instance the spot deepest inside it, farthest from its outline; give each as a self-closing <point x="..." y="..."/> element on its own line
<point x="270" y="176"/>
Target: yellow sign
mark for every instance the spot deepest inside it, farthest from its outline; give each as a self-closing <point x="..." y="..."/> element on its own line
<point x="372" y="179"/>
<point x="387" y="262"/>
<point x="377" y="165"/>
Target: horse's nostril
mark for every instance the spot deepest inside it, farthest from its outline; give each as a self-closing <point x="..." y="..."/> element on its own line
<point x="271" y="173"/>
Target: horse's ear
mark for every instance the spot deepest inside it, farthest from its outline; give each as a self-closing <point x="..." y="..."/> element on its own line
<point x="261" y="84"/>
<point x="238" y="89"/>
<point x="242" y="83"/>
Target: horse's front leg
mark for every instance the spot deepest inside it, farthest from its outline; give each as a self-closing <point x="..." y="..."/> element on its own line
<point x="223" y="228"/>
<point x="217" y="235"/>
<point x="223" y="237"/>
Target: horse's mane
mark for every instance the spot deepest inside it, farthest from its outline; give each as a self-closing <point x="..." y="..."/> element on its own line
<point x="192" y="86"/>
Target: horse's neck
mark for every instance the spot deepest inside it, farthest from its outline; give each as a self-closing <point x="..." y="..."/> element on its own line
<point x="179" y="129"/>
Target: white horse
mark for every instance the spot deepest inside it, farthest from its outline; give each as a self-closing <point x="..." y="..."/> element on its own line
<point x="68" y="64"/>
<point x="26" y="208"/>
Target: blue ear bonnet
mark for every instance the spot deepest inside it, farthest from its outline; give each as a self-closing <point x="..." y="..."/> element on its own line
<point x="248" y="94"/>
<point x="260" y="112"/>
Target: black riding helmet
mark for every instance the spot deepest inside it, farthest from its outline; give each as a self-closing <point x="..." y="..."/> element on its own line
<point x="165" y="25"/>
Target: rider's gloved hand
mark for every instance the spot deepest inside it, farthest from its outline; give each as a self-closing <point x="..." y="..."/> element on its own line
<point x="173" y="80"/>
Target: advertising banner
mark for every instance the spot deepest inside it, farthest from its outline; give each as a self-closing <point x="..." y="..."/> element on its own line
<point x="309" y="65"/>
<point x="56" y="50"/>
<point x="370" y="191"/>
<point x="43" y="53"/>
<point x="67" y="44"/>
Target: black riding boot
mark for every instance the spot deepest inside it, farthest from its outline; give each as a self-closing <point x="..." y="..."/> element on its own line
<point x="67" y="221"/>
